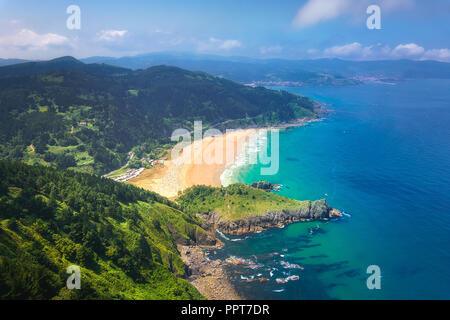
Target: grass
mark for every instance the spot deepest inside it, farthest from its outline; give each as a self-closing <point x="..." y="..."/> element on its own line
<point x="236" y="201"/>
<point x="61" y="149"/>
<point x="33" y="159"/>
<point x="118" y="172"/>
<point x="83" y="159"/>
<point x="133" y="92"/>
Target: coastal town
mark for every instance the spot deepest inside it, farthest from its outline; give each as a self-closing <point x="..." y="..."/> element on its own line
<point x="125" y="173"/>
<point x="129" y="174"/>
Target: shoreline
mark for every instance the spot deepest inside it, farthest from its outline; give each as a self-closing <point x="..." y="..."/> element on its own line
<point x="189" y="169"/>
<point x="208" y="276"/>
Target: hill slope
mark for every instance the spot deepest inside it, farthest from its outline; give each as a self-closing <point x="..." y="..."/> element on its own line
<point x="73" y="115"/>
<point x="123" y="238"/>
<point x="239" y="208"/>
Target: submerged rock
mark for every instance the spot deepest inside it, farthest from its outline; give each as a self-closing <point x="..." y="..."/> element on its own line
<point x="284" y="280"/>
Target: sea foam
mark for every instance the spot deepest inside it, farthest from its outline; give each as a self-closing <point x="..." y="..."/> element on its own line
<point x="251" y="150"/>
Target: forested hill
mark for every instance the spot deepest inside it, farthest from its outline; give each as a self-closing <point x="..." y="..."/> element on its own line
<point x="123" y="238"/>
<point x="88" y="116"/>
<point x="59" y="64"/>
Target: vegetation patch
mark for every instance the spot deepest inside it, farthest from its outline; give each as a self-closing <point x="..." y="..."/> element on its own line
<point x="123" y="238"/>
<point x="236" y="201"/>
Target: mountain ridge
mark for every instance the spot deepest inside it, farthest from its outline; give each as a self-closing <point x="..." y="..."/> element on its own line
<point x="244" y="69"/>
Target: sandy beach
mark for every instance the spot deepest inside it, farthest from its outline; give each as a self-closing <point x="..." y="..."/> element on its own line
<point x="200" y="163"/>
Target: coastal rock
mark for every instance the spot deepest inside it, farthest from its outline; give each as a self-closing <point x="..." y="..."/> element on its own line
<point x="206" y="239"/>
<point x="316" y="210"/>
<point x="285" y="280"/>
<point x="266" y="186"/>
<point x="208" y="276"/>
<point x="235" y="261"/>
<point x="201" y="238"/>
<point x="262" y="280"/>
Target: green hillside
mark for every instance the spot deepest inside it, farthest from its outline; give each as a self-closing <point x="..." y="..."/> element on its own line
<point x="68" y="114"/>
<point x="123" y="238"/>
<point x="236" y="201"/>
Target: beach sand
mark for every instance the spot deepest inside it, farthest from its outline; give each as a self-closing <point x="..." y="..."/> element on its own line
<point x="200" y="163"/>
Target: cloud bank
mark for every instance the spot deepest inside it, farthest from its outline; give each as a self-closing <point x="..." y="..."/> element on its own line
<point x="111" y="35"/>
<point x="25" y="43"/>
<point x="214" y="44"/>
<point x="356" y="51"/>
<point x="26" y="38"/>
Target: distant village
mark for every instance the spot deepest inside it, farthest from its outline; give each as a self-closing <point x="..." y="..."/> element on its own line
<point x="133" y="173"/>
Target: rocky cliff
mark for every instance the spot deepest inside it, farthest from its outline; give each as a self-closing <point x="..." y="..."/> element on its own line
<point x="316" y="210"/>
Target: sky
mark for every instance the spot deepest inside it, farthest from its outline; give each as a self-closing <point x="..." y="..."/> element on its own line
<point x="300" y="29"/>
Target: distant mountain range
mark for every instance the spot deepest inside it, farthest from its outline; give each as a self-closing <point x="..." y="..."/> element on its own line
<point x="297" y="72"/>
<point x="7" y="62"/>
<point x="279" y="71"/>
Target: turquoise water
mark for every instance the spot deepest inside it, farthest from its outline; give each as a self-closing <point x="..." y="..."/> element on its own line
<point x="382" y="156"/>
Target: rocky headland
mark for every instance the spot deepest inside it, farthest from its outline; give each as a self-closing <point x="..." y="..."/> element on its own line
<point x="316" y="210"/>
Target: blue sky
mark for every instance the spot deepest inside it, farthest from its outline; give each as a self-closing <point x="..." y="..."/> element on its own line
<point x="301" y="29"/>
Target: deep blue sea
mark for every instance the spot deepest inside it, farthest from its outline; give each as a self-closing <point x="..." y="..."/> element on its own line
<point x="382" y="156"/>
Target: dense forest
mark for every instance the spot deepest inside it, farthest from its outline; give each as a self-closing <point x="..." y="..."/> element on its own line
<point x="68" y="114"/>
<point x="123" y="238"/>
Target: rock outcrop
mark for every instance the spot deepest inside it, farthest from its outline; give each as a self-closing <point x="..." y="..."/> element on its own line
<point x="266" y="186"/>
<point x="316" y="210"/>
<point x="208" y="276"/>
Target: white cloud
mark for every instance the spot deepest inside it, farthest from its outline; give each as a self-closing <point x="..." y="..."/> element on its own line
<point x="356" y="51"/>
<point x="214" y="44"/>
<point x="160" y="31"/>
<point x="313" y="52"/>
<point x="271" y="49"/>
<point x="437" y="54"/>
<point x="230" y="44"/>
<point x="26" y="38"/>
<point x="111" y="35"/>
<point x="316" y="11"/>
<point x="28" y="44"/>
<point x="410" y="50"/>
<point x="345" y="50"/>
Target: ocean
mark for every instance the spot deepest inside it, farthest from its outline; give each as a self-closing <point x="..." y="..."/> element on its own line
<point x="382" y="156"/>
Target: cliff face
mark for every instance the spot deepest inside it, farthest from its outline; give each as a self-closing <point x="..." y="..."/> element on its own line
<point x="316" y="210"/>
